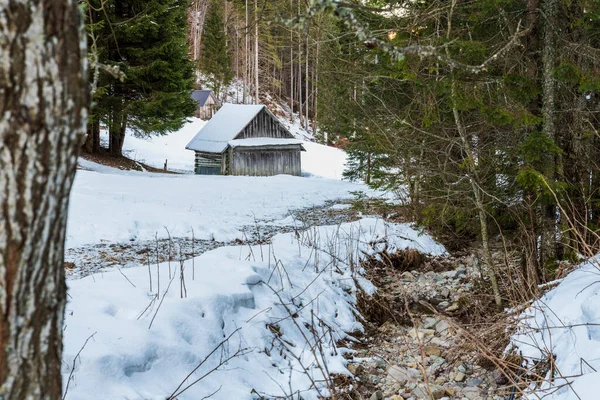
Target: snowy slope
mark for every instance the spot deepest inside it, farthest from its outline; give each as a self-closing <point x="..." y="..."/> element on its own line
<point x="155" y="150"/>
<point x="273" y="300"/>
<point x="566" y="322"/>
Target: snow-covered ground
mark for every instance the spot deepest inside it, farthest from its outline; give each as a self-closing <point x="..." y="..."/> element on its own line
<point x="565" y="323"/>
<point x="245" y="319"/>
<point x="248" y="320"/>
<point x="121" y="206"/>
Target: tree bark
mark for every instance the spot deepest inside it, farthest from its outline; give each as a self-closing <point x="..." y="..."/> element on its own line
<point x="548" y="213"/>
<point x="43" y="112"/>
<point x="117" y="131"/>
<point x="92" y="140"/>
<point x="256" y="69"/>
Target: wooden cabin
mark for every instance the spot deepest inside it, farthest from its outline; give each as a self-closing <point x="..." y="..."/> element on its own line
<point x="207" y="103"/>
<point x="246" y="140"/>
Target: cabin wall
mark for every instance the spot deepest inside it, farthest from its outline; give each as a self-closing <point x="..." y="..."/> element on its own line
<point x="206" y="112"/>
<point x="264" y="162"/>
<point x="208" y="164"/>
<point x="264" y="125"/>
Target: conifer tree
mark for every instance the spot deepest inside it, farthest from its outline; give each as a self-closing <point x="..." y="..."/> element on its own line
<point x="216" y="62"/>
<point x="146" y="40"/>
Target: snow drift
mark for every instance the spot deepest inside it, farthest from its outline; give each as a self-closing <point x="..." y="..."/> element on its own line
<point x="565" y="323"/>
<point x="247" y="321"/>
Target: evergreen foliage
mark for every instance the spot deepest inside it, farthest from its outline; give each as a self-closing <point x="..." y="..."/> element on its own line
<point x="146" y="41"/>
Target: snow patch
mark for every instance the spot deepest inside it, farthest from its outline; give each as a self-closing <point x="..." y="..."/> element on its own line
<point x="566" y="322"/>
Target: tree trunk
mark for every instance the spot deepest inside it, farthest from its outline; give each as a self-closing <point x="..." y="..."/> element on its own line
<point x="477" y="195"/>
<point x="306" y="83"/>
<point x="291" y="68"/>
<point x="548" y="215"/>
<point x="43" y="109"/>
<point x="117" y="130"/>
<point x="92" y="140"/>
<point x="256" y="89"/>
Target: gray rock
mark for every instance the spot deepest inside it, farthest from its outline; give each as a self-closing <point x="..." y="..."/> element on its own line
<point x="449" y="274"/>
<point x="474" y="382"/>
<point x="442" y="326"/>
<point x="378" y="395"/>
<point x="437" y="392"/>
<point x="402" y="375"/>
<point x="443" y="305"/>
<point x="430" y="322"/>
<point x="471" y="393"/>
<point x="499" y="377"/>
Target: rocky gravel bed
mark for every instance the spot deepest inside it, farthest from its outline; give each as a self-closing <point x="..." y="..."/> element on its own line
<point x="86" y="260"/>
<point x="415" y="354"/>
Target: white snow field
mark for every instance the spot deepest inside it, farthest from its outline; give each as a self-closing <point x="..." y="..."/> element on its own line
<point x="118" y="207"/>
<point x="565" y="322"/>
<point x="247" y="325"/>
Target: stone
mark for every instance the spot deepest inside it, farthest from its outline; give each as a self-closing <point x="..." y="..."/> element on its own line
<point x="420" y="333"/>
<point x="432" y="350"/>
<point x="474" y="382"/>
<point x="449" y="274"/>
<point x="430" y="322"/>
<point x="453" y="307"/>
<point x="378" y="395"/>
<point x="499" y="377"/>
<point x="440" y="380"/>
<point x="445" y="292"/>
<point x="443" y="305"/>
<point x="450" y="391"/>
<point x="442" y="326"/>
<point x="459" y="376"/>
<point x="422" y="392"/>
<point x="408" y="276"/>
<point x="355" y="369"/>
<point x="402" y="375"/>
<point x="471" y="393"/>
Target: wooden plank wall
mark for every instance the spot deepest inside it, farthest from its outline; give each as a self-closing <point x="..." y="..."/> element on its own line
<point x="208" y="163"/>
<point x="265" y="161"/>
<point x="264" y="125"/>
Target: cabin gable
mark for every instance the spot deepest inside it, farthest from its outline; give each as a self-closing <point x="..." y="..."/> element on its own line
<point x="264" y="125"/>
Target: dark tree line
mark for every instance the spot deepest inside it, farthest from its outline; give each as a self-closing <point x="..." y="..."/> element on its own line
<point x="484" y="114"/>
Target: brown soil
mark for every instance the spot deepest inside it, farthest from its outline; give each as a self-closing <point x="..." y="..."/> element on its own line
<point x="122" y="163"/>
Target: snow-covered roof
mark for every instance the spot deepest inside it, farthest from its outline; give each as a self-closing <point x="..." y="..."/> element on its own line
<point x="258" y="142"/>
<point x="227" y="123"/>
<point x="201" y="96"/>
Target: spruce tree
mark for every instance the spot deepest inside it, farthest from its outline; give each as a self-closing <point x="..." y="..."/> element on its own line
<point x="215" y="62"/>
<point x="146" y="40"/>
